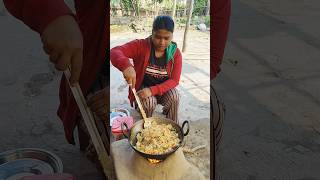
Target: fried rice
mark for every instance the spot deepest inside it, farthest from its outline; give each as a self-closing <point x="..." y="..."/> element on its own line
<point x="157" y="139"/>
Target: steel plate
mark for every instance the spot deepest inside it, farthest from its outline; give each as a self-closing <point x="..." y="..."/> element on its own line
<point x="18" y="163"/>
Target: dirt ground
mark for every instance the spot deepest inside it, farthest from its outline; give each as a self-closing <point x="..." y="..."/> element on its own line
<point x="194" y="88"/>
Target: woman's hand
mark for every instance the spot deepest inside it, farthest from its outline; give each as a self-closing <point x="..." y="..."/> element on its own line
<point x="130" y="75"/>
<point x="62" y="41"/>
<point x="145" y="93"/>
<point x="98" y="103"/>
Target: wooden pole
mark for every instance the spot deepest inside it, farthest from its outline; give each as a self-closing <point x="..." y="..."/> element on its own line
<point x="174" y="9"/>
<point x="185" y="36"/>
<point x="208" y="8"/>
<point x="89" y="121"/>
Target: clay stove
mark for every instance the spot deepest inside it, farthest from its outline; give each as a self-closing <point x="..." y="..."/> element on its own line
<point x="129" y="164"/>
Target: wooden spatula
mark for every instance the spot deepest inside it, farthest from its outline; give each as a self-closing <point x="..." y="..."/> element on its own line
<point x="146" y="123"/>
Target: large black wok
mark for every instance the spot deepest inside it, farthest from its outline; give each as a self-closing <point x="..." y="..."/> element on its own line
<point x="138" y="126"/>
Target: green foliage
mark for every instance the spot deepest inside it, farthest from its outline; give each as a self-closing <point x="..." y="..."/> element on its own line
<point x="181" y="6"/>
<point x="199" y="7"/>
<point x="182" y="20"/>
<point x="114" y="3"/>
<point x="196" y="20"/>
<point x="167" y="4"/>
<point x="207" y="21"/>
<point x="127" y="5"/>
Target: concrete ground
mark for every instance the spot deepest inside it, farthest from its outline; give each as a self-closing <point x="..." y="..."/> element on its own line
<point x="270" y="84"/>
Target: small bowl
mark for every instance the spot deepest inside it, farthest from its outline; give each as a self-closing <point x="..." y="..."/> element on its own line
<point x="15" y="164"/>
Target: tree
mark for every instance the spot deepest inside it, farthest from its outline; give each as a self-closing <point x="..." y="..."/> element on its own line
<point x="113" y="5"/>
<point x="136" y="7"/>
<point x="208" y="8"/>
<point x="127" y="6"/>
<point x="174" y="9"/>
<point x="199" y="7"/>
<point x="122" y="8"/>
<point x="156" y="9"/>
<point x="185" y="36"/>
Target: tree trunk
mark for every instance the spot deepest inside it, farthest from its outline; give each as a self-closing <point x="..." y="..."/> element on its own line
<point x="122" y="8"/>
<point x="185" y="37"/>
<point x="186" y="8"/>
<point x="174" y="9"/>
<point x="156" y="9"/>
<point x="208" y="8"/>
<point x="137" y="8"/>
<point x="134" y="7"/>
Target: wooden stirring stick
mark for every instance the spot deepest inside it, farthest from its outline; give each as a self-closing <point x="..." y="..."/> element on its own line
<point x="89" y="121"/>
<point x="146" y="123"/>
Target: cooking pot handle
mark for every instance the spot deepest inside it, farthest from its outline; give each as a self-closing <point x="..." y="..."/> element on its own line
<point x="122" y="129"/>
<point x="183" y="124"/>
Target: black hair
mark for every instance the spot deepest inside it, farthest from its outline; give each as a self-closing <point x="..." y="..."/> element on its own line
<point x="163" y="22"/>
